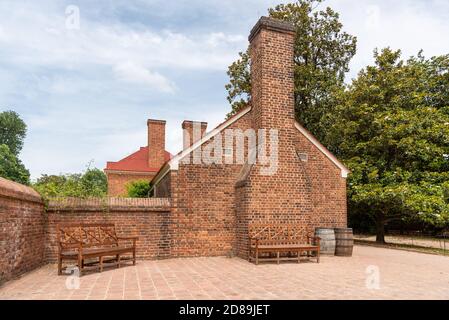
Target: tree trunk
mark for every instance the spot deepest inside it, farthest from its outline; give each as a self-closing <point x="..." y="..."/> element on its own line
<point x="380" y="228"/>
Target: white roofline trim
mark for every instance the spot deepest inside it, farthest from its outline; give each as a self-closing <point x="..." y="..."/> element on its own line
<point x="174" y="162"/>
<point x="327" y="153"/>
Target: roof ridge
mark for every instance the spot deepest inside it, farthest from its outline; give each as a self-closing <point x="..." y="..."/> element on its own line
<point x="136" y="161"/>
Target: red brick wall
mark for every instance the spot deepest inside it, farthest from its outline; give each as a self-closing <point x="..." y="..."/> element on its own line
<point x="149" y="219"/>
<point x="204" y="205"/>
<point x="326" y="186"/>
<point x="211" y="211"/>
<point x="22" y="230"/>
<point x="117" y="181"/>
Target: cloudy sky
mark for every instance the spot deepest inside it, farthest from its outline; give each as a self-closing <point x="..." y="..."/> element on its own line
<point x="85" y="91"/>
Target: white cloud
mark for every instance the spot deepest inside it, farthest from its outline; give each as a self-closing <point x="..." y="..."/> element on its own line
<point x="44" y="41"/>
<point x="86" y="93"/>
<point x="403" y="24"/>
<point x="136" y="74"/>
<point x="372" y="17"/>
<point x="2" y="33"/>
<point x="219" y="38"/>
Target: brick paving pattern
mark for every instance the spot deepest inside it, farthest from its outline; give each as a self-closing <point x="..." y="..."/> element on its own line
<point x="403" y="275"/>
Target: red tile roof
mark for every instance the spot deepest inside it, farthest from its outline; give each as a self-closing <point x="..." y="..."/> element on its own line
<point x="138" y="162"/>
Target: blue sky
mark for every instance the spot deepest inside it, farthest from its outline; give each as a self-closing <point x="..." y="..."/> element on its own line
<point x="86" y="93"/>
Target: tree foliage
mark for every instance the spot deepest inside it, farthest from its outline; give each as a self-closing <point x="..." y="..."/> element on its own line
<point x="91" y="183"/>
<point x="138" y="189"/>
<point x="12" y="134"/>
<point x="11" y="167"/>
<point x="322" y="55"/>
<point x="392" y="129"/>
<point x="239" y="86"/>
<point x="12" y="131"/>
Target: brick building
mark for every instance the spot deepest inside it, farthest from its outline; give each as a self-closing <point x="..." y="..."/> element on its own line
<point x="201" y="208"/>
<point x="214" y="202"/>
<point x="140" y="165"/>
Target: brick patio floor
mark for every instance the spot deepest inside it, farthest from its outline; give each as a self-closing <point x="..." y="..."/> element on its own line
<point x="403" y="275"/>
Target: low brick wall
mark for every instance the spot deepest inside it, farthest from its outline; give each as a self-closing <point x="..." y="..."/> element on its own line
<point x="149" y="219"/>
<point x="28" y="233"/>
<point x="22" y="230"/>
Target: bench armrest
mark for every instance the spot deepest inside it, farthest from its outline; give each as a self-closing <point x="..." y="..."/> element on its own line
<point x="314" y="239"/>
<point x="63" y="245"/>
<point x="254" y="240"/>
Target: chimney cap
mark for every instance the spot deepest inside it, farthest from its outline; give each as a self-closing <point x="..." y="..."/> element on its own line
<point x="155" y="121"/>
<point x="190" y="122"/>
<point x="273" y="24"/>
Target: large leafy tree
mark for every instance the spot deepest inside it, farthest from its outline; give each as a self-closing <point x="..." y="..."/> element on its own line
<point x="12" y="134"/>
<point x="11" y="167"/>
<point x="322" y="55"/>
<point x="392" y="129"/>
<point x="12" y="131"/>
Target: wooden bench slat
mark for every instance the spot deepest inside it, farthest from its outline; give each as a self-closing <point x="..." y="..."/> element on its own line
<point x="280" y="238"/>
<point x="285" y="246"/>
<point x="97" y="240"/>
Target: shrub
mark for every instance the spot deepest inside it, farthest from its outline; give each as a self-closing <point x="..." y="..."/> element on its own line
<point x="91" y="183"/>
<point x="138" y="189"/>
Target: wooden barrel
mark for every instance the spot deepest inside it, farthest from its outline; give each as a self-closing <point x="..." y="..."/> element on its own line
<point x="343" y="242"/>
<point x="327" y="243"/>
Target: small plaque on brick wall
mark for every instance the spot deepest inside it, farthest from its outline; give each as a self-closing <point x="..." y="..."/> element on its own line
<point x="303" y="156"/>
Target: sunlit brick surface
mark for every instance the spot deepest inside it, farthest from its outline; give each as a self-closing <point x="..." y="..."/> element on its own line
<point x="403" y="275"/>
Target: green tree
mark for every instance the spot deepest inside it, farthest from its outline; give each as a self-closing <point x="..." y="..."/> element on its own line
<point x="12" y="131"/>
<point x="12" y="134"/>
<point x="94" y="183"/>
<point x="11" y="167"/>
<point x="138" y="189"/>
<point x="391" y="127"/>
<point x="322" y="55"/>
<point x="239" y="86"/>
<point x="91" y="183"/>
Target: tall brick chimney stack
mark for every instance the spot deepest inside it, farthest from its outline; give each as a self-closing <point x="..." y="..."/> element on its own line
<point x="156" y="143"/>
<point x="280" y="195"/>
<point x="192" y="132"/>
<point x="272" y="78"/>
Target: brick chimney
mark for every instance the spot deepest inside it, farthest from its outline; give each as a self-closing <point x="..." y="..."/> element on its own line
<point x="192" y="131"/>
<point x="272" y="78"/>
<point x="281" y="195"/>
<point x="156" y="143"/>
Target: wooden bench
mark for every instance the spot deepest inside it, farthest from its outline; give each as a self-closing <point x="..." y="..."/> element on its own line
<point x="281" y="242"/>
<point x="94" y="246"/>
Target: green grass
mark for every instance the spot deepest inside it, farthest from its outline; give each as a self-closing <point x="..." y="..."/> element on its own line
<point x="407" y="247"/>
<point x="411" y="237"/>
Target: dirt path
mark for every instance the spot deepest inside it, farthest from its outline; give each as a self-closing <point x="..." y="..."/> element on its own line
<point x="409" y="240"/>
